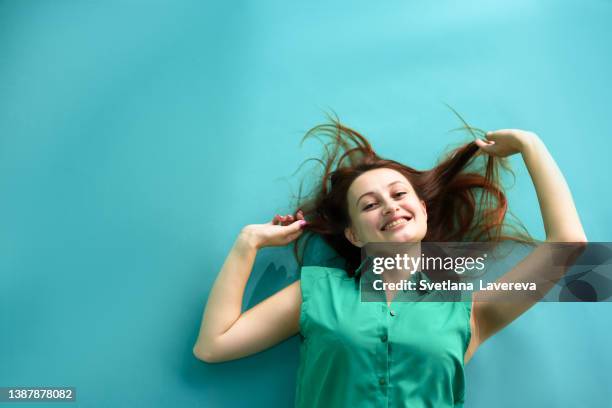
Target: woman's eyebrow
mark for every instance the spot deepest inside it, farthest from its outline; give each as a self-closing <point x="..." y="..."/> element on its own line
<point x="371" y="192"/>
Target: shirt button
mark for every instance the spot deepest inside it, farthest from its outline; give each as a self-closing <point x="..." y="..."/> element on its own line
<point x="384" y="338"/>
<point x="381" y="381"/>
<point x="392" y="313"/>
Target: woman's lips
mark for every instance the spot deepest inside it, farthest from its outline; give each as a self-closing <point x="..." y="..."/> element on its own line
<point x="397" y="224"/>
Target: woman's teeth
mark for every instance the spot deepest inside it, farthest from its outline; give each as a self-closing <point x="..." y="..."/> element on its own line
<point x="395" y="223"/>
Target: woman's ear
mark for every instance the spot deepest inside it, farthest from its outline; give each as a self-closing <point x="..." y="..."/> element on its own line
<point x="352" y="237"/>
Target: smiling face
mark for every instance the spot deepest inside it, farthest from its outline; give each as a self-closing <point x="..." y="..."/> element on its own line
<point x="383" y="207"/>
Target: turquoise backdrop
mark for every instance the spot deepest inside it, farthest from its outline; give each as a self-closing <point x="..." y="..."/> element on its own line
<point x="138" y="137"/>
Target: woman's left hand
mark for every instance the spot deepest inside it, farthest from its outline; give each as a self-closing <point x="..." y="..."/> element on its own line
<point x="505" y="142"/>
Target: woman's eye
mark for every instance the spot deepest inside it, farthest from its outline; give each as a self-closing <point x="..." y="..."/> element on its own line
<point x="367" y="207"/>
<point x="400" y="194"/>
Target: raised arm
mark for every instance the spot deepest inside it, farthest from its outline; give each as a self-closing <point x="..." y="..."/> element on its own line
<point x="225" y="332"/>
<point x="561" y="224"/>
<point x="561" y="220"/>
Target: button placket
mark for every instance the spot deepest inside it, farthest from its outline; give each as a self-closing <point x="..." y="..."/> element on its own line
<point x="383" y="350"/>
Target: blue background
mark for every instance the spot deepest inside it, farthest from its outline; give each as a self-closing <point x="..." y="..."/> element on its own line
<point x="137" y="138"/>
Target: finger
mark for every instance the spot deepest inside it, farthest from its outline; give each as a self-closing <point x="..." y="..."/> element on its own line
<point x="490" y="136"/>
<point x="276" y="220"/>
<point x="300" y="215"/>
<point x="294" y="236"/>
<point x="484" y="145"/>
<point x="501" y="132"/>
<point x="295" y="227"/>
<point x="289" y="220"/>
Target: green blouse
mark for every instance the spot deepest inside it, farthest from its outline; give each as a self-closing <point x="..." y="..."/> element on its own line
<point x="367" y="354"/>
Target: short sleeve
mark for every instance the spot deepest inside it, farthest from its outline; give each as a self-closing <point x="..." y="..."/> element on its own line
<point x="306" y="283"/>
<point x="317" y="283"/>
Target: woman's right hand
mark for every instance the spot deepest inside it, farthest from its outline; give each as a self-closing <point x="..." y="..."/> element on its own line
<point x="279" y="232"/>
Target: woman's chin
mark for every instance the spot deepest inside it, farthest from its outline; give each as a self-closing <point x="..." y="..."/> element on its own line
<point x="404" y="235"/>
<point x="401" y="236"/>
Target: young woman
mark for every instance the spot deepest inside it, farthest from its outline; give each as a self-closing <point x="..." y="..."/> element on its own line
<point x="355" y="353"/>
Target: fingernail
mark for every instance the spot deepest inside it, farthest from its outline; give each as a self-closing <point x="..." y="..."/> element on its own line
<point x="303" y="222"/>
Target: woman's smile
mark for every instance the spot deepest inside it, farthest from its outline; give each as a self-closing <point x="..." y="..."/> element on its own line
<point x="397" y="223"/>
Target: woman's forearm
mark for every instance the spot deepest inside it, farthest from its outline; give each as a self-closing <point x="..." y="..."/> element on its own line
<point x="224" y="304"/>
<point x="561" y="220"/>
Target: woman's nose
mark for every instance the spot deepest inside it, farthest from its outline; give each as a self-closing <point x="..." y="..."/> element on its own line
<point x="390" y="208"/>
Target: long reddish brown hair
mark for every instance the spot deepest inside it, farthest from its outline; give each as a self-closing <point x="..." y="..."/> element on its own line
<point x="463" y="195"/>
